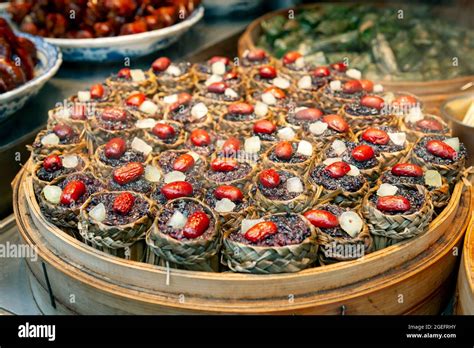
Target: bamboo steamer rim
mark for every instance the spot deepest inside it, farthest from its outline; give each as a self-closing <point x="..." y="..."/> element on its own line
<point x="246" y="43"/>
<point x="468" y="254"/>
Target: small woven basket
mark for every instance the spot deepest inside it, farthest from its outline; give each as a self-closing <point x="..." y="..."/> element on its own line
<point x="194" y="254"/>
<point x="40" y="153"/>
<point x="245" y="258"/>
<point x="149" y="86"/>
<point x="300" y="168"/>
<point x="183" y="83"/>
<point x="239" y="128"/>
<point x="360" y="123"/>
<point x="413" y="135"/>
<point x="159" y="145"/>
<point x="392" y="229"/>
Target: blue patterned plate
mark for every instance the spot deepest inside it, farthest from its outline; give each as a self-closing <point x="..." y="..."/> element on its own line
<point x="49" y="61"/>
<point x="119" y="47"/>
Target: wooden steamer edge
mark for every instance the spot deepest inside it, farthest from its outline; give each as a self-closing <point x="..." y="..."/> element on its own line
<point x="465" y="283"/>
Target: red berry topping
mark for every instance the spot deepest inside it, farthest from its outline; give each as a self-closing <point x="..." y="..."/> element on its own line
<point x="405" y="100"/>
<point x="123" y="203"/>
<point x="97" y="91"/>
<point x="430" y="124"/>
<point x="74" y="190"/>
<point x="79" y="112"/>
<point x="269" y="178"/>
<point x="256" y="55"/>
<point x="240" y="108"/>
<point x="261" y="231"/>
<point x="216" y="59"/>
<point x="196" y="225"/>
<point x="275" y="91"/>
<point x="224" y="164"/>
<point x="283" y="150"/>
<point x="351" y="87"/>
<point x="183" y="163"/>
<point x="321" y="218"/>
<point x="161" y="64"/>
<point x="231" y="146"/>
<point x="367" y="85"/>
<point x="230" y="192"/>
<point x="337" y="169"/>
<point x="217" y="87"/>
<point x="114" y="115"/>
<point x="309" y="114"/>
<point x="376" y="136"/>
<point x="393" y="204"/>
<point x="339" y="66"/>
<point x="440" y="149"/>
<point x="372" y="101"/>
<point x="363" y="153"/>
<point x="52" y="163"/>
<point x="135" y="99"/>
<point x="63" y="131"/>
<point x="231" y="75"/>
<point x="321" y="71"/>
<point x="115" y="148"/>
<point x="336" y="122"/>
<point x="163" y="131"/>
<point x="124" y="73"/>
<point x="177" y="189"/>
<point x="264" y="127"/>
<point x="291" y="57"/>
<point x="407" y="169"/>
<point x="200" y="137"/>
<point x="267" y="72"/>
<point x="128" y="173"/>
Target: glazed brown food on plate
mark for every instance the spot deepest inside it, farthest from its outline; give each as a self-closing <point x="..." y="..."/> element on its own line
<point x="12" y="47"/>
<point x="97" y="18"/>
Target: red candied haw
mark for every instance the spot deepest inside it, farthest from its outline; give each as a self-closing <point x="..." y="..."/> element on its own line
<point x="376" y="136"/>
<point x="240" y="108"/>
<point x="135" y="99"/>
<point x="74" y="190"/>
<point x="337" y="169"/>
<point x="196" y="225"/>
<point x="230" y="192"/>
<point x="231" y="146"/>
<point x="283" y="150"/>
<point x="264" y="127"/>
<point x="440" y="149"/>
<point x="362" y="153"/>
<point x="231" y="75"/>
<point x="224" y="164"/>
<point x="351" y="87"/>
<point x="128" y="173"/>
<point x="267" y="72"/>
<point x="430" y="124"/>
<point x="123" y="203"/>
<point x="321" y="71"/>
<point x="163" y="131"/>
<point x="309" y="114"/>
<point x="275" y="91"/>
<point x="393" y="204"/>
<point x="124" y="73"/>
<point x="406" y="100"/>
<point x="52" y="163"/>
<point x="269" y="178"/>
<point x="372" y="101"/>
<point x="161" y="64"/>
<point x="336" y="122"/>
<point x="217" y="87"/>
<point x="256" y="55"/>
<point x="407" y="169"/>
<point x="261" y="231"/>
<point x="63" y="131"/>
<point x="339" y="66"/>
<point x="114" y="115"/>
<point x="216" y="59"/>
<point x="183" y="99"/>
<point x="367" y="85"/>
<point x="115" y="148"/>
<point x="139" y="26"/>
<point x="183" y="163"/>
<point x="321" y="218"/>
<point x="177" y="189"/>
<point x="291" y="57"/>
<point x="97" y="91"/>
<point x="200" y="137"/>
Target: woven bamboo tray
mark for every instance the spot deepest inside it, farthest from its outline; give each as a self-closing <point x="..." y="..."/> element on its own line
<point x="465" y="286"/>
<point x="412" y="277"/>
<point x="431" y="92"/>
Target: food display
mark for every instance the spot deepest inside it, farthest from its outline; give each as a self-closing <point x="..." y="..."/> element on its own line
<point x="405" y="43"/>
<point x="14" y="49"/>
<point x="94" y="19"/>
<point x="221" y="167"/>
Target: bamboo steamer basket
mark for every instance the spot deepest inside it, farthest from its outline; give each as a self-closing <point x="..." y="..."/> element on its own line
<point x="465" y="285"/>
<point x="432" y="93"/>
<point x="418" y="271"/>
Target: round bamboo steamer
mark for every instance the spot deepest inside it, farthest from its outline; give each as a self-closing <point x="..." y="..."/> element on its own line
<point x="465" y="286"/>
<point x="413" y="277"/>
<point x="428" y="91"/>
